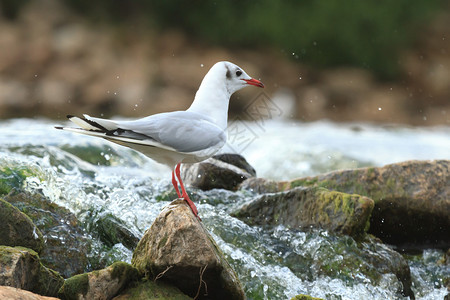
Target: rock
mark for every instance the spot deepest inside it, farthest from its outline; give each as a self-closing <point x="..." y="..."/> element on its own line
<point x="225" y="171"/>
<point x="178" y="249"/>
<point x="384" y="260"/>
<point x="150" y="289"/>
<point x="310" y="207"/>
<point x="67" y="246"/>
<point x="111" y="230"/>
<point x="366" y="261"/>
<point x="17" y="229"/>
<point x="305" y="297"/>
<point x="261" y="185"/>
<point x="102" y="284"/>
<point x="412" y="199"/>
<point x="21" y="268"/>
<point x="11" y="293"/>
<point x="236" y="160"/>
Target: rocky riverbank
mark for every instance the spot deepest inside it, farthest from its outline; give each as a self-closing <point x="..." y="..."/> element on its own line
<point x="402" y="204"/>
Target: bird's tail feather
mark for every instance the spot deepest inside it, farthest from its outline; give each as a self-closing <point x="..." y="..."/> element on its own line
<point x="89" y="123"/>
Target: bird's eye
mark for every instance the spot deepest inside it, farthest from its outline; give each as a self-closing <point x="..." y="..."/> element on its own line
<point x="238" y="73"/>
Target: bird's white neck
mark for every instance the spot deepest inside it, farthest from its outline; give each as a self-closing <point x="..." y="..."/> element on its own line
<point x="212" y="100"/>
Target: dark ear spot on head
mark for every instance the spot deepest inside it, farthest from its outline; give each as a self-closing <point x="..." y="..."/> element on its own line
<point x="228" y="73"/>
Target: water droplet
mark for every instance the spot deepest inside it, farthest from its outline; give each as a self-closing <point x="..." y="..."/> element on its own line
<point x="300" y="77"/>
<point x="379" y="108"/>
<point x="201" y="65"/>
<point x="117" y="77"/>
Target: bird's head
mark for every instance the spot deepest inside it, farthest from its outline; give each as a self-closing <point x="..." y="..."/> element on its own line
<point x="234" y="77"/>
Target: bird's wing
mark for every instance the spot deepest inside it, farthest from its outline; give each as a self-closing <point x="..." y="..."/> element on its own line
<point x="179" y="131"/>
<point x="182" y="130"/>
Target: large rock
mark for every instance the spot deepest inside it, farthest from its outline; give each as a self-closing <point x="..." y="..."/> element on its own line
<point x="21" y="268"/>
<point x="150" y="289"/>
<point x="102" y="284"/>
<point x="310" y="207"/>
<point x="11" y="293"/>
<point x="17" y="229"/>
<point x="412" y="199"/>
<point x="178" y="249"/>
<point x="66" y="244"/>
<point x="225" y="171"/>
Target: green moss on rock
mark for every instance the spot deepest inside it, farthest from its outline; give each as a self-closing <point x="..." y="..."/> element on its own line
<point x="405" y="195"/>
<point x="306" y="207"/>
<point x="27" y="271"/>
<point x="78" y="284"/>
<point x="66" y="244"/>
<point x="17" y="228"/>
<point x="149" y="289"/>
<point x="123" y="271"/>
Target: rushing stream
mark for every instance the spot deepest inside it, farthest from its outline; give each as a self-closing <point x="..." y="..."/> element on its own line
<point x="86" y="174"/>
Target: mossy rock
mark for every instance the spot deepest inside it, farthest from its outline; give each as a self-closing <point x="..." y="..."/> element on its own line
<point x="411" y="199"/>
<point x="21" y="268"/>
<point x="149" y="289"/>
<point x="178" y="248"/>
<point x="103" y="284"/>
<point x="17" y="229"/>
<point x="315" y="207"/>
<point x="67" y="246"/>
<point x="111" y="230"/>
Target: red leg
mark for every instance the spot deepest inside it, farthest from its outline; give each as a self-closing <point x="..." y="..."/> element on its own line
<point x="184" y="194"/>
<point x="175" y="184"/>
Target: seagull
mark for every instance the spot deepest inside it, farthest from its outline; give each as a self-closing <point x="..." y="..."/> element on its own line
<point x="177" y="137"/>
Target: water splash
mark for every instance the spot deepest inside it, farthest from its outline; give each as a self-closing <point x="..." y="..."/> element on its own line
<point x="87" y="175"/>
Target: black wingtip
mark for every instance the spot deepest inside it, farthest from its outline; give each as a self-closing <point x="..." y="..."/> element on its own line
<point x="70" y="116"/>
<point x="59" y="127"/>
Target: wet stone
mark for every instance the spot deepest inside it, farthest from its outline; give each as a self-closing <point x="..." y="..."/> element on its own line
<point x="17" y="229"/>
<point x="179" y="250"/>
<point x="67" y="246"/>
<point x="302" y="208"/>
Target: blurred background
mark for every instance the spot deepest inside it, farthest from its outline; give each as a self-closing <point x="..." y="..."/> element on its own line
<point x="371" y="61"/>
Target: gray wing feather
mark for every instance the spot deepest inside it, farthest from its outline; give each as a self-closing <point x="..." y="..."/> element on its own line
<point x="184" y="131"/>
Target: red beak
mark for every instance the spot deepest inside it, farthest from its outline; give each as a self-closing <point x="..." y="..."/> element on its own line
<point x="254" y="82"/>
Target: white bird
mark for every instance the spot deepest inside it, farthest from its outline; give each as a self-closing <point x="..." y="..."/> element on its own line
<point x="177" y="137"/>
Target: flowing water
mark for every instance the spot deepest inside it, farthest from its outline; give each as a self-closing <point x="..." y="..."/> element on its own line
<point x="86" y="174"/>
